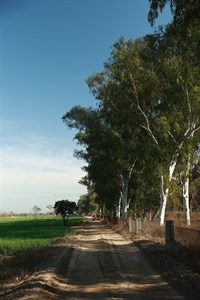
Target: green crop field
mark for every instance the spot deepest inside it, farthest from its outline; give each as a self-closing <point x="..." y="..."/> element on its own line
<point x="24" y="233"/>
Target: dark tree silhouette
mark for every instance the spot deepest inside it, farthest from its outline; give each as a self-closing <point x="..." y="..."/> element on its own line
<point x="64" y="208"/>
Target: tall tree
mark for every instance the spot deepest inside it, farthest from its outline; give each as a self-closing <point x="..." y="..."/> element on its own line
<point x="149" y="89"/>
<point x="185" y="12"/>
<point x="99" y="148"/>
<point x="115" y="100"/>
<point x="184" y="88"/>
<point x="149" y="81"/>
<point x="182" y="40"/>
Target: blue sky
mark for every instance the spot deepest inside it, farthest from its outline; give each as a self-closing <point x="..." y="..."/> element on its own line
<point x="48" y="48"/>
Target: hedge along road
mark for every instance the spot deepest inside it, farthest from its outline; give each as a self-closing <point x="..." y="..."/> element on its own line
<point x="95" y="263"/>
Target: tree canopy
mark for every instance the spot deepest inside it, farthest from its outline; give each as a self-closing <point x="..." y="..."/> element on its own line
<point x="144" y="134"/>
<point x="65" y="208"/>
<point x="185" y="12"/>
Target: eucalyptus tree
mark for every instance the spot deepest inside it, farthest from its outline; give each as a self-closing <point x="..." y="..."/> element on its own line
<point x="144" y="182"/>
<point x="103" y="167"/>
<point x="181" y="41"/>
<point x="179" y="106"/>
<point x="99" y="150"/>
<point x="183" y="92"/>
<point x="87" y="204"/>
<point x="111" y="90"/>
<point x="184" y="12"/>
<point x="148" y="88"/>
<point x="190" y="164"/>
<point x="128" y="93"/>
<point x="195" y="183"/>
<point x="147" y="85"/>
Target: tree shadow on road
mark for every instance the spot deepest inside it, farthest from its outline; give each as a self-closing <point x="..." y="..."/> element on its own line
<point x="96" y="264"/>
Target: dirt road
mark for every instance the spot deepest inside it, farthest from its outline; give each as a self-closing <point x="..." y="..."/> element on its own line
<point x="94" y="263"/>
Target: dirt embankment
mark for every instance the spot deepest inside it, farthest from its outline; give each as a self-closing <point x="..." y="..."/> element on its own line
<point x="98" y="263"/>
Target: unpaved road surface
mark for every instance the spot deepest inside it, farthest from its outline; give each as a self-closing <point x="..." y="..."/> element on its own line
<point x="94" y="263"/>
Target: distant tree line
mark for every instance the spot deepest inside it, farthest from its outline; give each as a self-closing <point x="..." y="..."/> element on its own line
<point x="141" y="144"/>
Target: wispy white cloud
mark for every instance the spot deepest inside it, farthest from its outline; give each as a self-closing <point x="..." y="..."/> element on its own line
<point x="36" y="171"/>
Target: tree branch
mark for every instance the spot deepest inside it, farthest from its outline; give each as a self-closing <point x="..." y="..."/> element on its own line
<point x="147" y="127"/>
<point x="133" y="165"/>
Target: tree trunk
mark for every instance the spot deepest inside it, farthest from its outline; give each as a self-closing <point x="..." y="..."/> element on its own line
<point x="150" y="218"/>
<point x="186" y="208"/>
<point x="124" y="191"/>
<point x="186" y="205"/>
<point x="118" y="213"/>
<point x="64" y="221"/>
<point x="163" y="205"/>
<point x="155" y="214"/>
<point x="124" y="198"/>
<point x="164" y="190"/>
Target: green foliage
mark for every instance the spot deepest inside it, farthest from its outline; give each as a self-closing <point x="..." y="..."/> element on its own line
<point x="185" y="12"/>
<point x="87" y="204"/>
<point x="148" y="96"/>
<point x="21" y="234"/>
<point x="65" y="208"/>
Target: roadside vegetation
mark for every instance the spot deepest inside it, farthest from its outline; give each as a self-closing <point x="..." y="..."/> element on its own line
<point x="141" y="141"/>
<point x="20" y="234"/>
<point x="25" y="243"/>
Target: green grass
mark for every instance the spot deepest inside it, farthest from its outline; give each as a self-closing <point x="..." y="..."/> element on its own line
<point x="21" y="234"/>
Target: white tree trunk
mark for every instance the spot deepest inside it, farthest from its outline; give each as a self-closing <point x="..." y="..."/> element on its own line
<point x="192" y="128"/>
<point x="163" y="198"/>
<point x="186" y="205"/>
<point x="124" y="191"/>
<point x="163" y="205"/>
<point x="124" y="210"/>
<point x="118" y="214"/>
<point x="164" y="190"/>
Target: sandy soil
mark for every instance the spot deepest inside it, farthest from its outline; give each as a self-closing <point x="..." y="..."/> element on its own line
<point x="93" y="263"/>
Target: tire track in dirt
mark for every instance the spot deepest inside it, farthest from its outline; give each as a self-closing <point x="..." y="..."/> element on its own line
<point x="96" y="263"/>
<point x="133" y="277"/>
